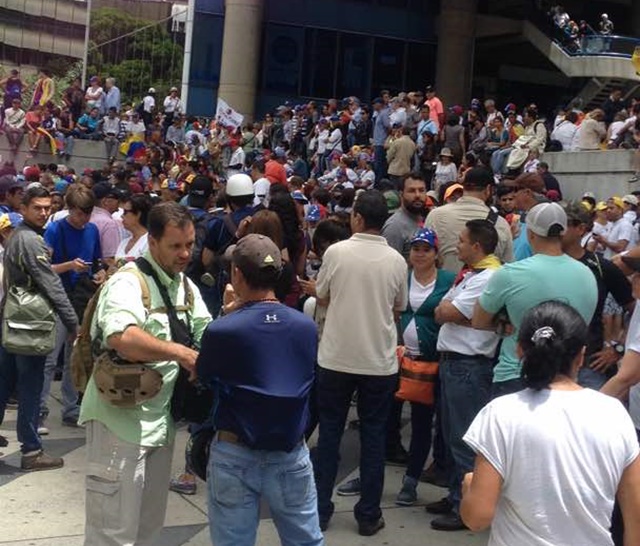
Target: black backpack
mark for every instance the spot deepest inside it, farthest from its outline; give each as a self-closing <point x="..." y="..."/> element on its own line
<point x="201" y="220"/>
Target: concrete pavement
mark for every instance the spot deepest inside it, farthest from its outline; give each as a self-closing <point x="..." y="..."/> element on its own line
<point x="47" y="508"/>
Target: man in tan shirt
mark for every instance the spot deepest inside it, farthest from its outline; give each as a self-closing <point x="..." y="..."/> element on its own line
<point x="400" y="152"/>
<point x="449" y="220"/>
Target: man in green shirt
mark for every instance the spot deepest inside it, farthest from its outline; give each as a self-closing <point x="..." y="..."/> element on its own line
<point x="130" y="448"/>
<point x="517" y="287"/>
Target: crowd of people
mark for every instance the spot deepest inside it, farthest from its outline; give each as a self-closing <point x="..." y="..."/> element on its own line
<point x="581" y="37"/>
<point x="278" y="273"/>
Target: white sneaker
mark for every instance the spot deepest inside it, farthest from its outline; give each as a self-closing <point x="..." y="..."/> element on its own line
<point x="42" y="429"/>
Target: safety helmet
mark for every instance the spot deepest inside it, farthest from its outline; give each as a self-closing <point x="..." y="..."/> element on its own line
<point x="239" y="185"/>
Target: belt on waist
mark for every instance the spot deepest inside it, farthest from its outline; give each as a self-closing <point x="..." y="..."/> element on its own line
<point x="450" y="355"/>
<point x="232" y="438"/>
<point x="419" y="358"/>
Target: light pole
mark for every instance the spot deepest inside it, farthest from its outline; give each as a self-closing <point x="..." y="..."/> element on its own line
<point x="186" y="60"/>
<point x="85" y="57"/>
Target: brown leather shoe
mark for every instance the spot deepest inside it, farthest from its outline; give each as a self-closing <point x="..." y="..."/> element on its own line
<point x="40" y="461"/>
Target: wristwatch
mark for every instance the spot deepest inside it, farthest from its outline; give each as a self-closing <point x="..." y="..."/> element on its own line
<point x="617" y="347"/>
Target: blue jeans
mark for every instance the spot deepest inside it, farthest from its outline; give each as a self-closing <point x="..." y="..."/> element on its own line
<point x="70" y="407"/>
<point x="238" y="477"/>
<point x="499" y="160"/>
<point x="24" y="374"/>
<point x="379" y="162"/>
<point x="466" y="389"/>
<point x="591" y="379"/>
<point x="375" y="394"/>
<point x="503" y="388"/>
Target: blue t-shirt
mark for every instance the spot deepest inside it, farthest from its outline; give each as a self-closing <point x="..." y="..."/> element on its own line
<point x="78" y="243"/>
<point x="262" y="360"/>
<point x="521" y="247"/>
<point x="519" y="286"/>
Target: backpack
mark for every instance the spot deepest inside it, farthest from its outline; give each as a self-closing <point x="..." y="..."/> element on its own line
<point x="218" y="270"/>
<point x="195" y="269"/>
<point x="84" y="349"/>
<point x="548" y="141"/>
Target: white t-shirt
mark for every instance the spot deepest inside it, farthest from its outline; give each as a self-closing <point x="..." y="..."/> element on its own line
<point x="561" y="455"/>
<point x="365" y="280"/>
<point x="630" y="215"/>
<point x="633" y="343"/>
<point x="621" y="230"/>
<point x="149" y="103"/>
<point x="418" y="293"/>
<point x="565" y="133"/>
<point x="137" y="250"/>
<point x="465" y="340"/>
<point x="261" y="191"/>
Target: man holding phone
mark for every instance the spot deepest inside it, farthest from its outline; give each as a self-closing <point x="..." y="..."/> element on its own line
<point x="75" y="256"/>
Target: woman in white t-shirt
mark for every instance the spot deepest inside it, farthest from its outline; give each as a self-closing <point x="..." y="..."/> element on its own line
<point x="427" y="286"/>
<point x="552" y="458"/>
<point x="134" y="219"/>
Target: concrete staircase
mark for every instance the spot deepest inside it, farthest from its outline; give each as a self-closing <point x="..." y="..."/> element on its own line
<point x="597" y="90"/>
<point x="603" y="67"/>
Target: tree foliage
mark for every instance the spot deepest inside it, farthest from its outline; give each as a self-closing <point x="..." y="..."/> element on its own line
<point x="137" y="52"/>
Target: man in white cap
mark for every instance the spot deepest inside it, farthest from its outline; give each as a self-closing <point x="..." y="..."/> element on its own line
<point x="148" y="106"/>
<point x="172" y="107"/>
<point x="221" y="233"/>
<point x="630" y="203"/>
<point x="517" y="287"/>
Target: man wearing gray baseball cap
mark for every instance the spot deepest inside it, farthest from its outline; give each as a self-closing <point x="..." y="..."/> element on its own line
<point x="517" y="287"/>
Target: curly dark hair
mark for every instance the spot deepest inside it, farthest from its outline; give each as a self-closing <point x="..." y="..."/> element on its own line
<point x="284" y="206"/>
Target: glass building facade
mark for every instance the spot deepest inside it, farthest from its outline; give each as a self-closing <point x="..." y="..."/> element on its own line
<point x="319" y="50"/>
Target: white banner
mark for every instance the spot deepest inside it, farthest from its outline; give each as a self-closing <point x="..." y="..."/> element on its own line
<point x="227" y="116"/>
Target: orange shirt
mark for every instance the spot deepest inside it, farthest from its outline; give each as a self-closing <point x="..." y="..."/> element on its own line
<point x="275" y="172"/>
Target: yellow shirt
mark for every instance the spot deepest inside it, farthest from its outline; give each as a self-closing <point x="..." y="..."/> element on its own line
<point x="120" y="306"/>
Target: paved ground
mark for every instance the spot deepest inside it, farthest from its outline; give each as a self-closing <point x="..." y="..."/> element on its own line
<point x="47" y="508"/>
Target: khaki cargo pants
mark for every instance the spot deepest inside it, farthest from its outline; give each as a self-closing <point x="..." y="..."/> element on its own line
<point x="127" y="488"/>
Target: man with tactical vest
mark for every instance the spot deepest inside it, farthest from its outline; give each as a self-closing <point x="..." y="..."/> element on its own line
<point x="126" y="406"/>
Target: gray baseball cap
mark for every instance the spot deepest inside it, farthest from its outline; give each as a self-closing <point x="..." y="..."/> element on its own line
<point x="547" y="220"/>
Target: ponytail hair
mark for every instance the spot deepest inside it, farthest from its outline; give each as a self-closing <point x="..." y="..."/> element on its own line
<point x="552" y="334"/>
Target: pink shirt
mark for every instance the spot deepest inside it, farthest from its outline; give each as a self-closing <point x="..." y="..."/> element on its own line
<point x="435" y="110"/>
<point x="109" y="231"/>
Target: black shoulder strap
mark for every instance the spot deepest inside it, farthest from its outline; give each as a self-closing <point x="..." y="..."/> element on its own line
<point x="493" y="215"/>
<point x="177" y="327"/>
<point x="230" y="225"/>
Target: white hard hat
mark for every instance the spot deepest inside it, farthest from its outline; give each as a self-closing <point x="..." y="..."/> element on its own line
<point x="152" y="90"/>
<point x="239" y="185"/>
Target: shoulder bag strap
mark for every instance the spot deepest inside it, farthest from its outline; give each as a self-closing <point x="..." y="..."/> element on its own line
<point x="172" y="314"/>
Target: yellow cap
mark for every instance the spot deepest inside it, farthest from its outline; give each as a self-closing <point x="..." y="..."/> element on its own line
<point x="601" y="206"/>
<point x="617" y="201"/>
<point x="588" y="205"/>
<point x="4" y="221"/>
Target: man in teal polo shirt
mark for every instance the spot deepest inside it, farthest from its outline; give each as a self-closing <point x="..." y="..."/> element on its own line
<point x="130" y="449"/>
<point x="517" y="287"/>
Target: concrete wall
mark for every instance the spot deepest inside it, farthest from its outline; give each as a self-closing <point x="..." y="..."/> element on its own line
<point x="86" y="155"/>
<point x="605" y="173"/>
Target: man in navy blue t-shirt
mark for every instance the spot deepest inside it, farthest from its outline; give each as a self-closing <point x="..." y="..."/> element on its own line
<point x="260" y="360"/>
<point x="75" y="255"/>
